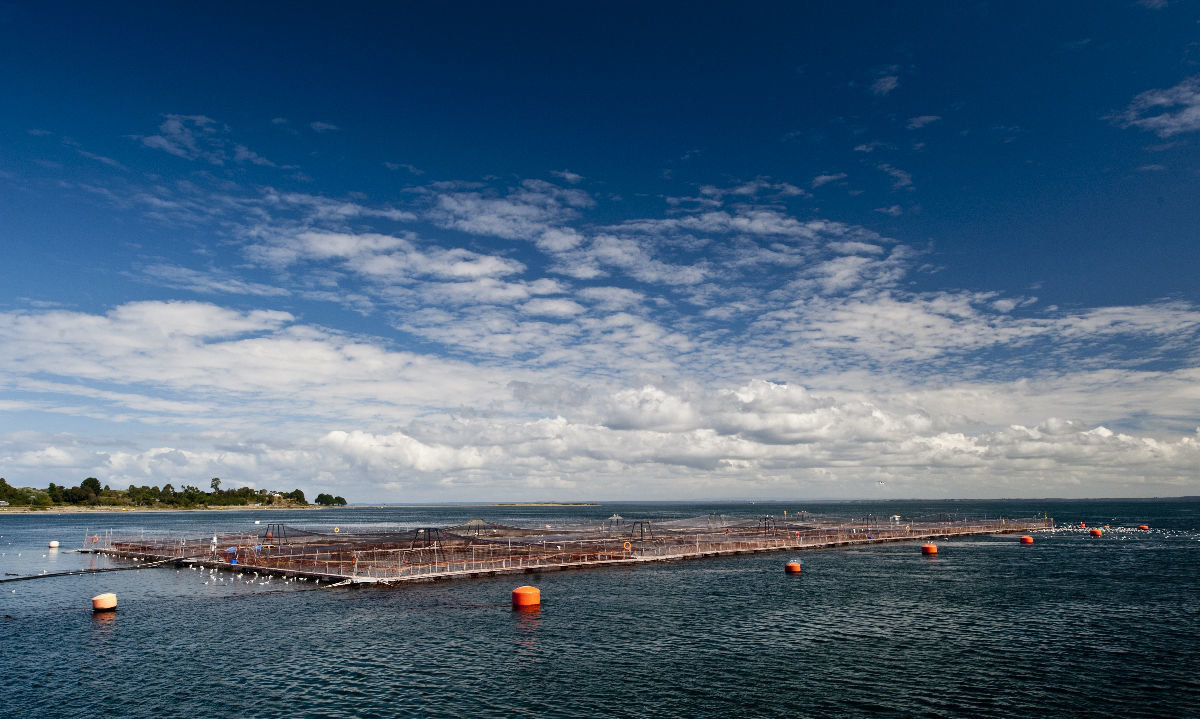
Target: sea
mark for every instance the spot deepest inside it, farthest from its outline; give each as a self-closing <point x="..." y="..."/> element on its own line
<point x="1070" y="626"/>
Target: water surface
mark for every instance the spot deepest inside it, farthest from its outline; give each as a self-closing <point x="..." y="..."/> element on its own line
<point x="1073" y="625"/>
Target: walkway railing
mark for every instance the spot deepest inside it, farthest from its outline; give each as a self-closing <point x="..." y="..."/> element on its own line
<point x="365" y="560"/>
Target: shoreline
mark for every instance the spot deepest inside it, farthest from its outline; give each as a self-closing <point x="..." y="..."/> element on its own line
<point x="122" y="510"/>
<point x="268" y="507"/>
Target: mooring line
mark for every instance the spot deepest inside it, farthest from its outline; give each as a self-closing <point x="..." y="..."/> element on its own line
<point x="91" y="571"/>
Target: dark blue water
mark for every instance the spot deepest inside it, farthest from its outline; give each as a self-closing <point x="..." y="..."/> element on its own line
<point x="1070" y="626"/>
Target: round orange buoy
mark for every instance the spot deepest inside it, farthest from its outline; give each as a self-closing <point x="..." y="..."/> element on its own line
<point x="526" y="597"/>
<point x="1096" y="532"/>
<point x="104" y="603"/>
<point x="792" y="567"/>
<point x="928" y="549"/>
<point x="1026" y="540"/>
<point x="1143" y="526"/>
<point x="1082" y="524"/>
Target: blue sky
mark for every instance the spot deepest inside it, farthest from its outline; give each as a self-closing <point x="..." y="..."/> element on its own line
<point x="544" y="252"/>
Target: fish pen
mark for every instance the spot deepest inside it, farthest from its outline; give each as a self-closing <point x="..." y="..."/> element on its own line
<point x="480" y="548"/>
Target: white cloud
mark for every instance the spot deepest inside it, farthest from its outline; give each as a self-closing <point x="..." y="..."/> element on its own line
<point x="885" y="85"/>
<point x="826" y="179"/>
<point x="717" y="433"/>
<point x="568" y="176"/>
<point x="559" y="239"/>
<point x="241" y="153"/>
<point x="611" y="298"/>
<point x="195" y="137"/>
<point x="191" y="137"/>
<point x="901" y="179"/>
<point x="385" y="258"/>
<point x="519" y="345"/>
<point x="412" y="169"/>
<point x="1168" y="112"/>
<point x="714" y="442"/>
<point x="318" y="209"/>
<point x="254" y="364"/>
<point x="633" y="257"/>
<point x="208" y="282"/>
<point x="527" y="212"/>
<point x="549" y="307"/>
<point x="323" y="126"/>
<point x="916" y="123"/>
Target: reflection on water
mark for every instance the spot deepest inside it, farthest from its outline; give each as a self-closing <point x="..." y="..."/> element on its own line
<point x="527" y="621"/>
<point x="103" y="623"/>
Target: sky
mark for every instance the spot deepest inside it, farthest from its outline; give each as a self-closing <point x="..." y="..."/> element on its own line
<point x="608" y="251"/>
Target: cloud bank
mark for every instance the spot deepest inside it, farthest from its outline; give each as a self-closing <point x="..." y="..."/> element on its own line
<point x="537" y="339"/>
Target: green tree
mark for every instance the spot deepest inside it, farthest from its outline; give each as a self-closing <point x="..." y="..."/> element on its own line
<point x="324" y="499"/>
<point x="77" y="495"/>
<point x="92" y="484"/>
<point x="10" y="494"/>
<point x="215" y="484"/>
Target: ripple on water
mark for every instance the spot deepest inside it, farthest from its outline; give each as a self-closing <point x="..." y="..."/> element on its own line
<point x="1069" y="626"/>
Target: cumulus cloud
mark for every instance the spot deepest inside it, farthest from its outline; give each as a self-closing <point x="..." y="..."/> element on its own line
<point x="385" y="258"/>
<point x="779" y="435"/>
<point x="521" y="343"/>
<point x="254" y="365"/>
<point x="548" y="307"/>
<point x="524" y="213"/>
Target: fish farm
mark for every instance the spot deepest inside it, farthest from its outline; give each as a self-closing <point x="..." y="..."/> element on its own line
<point x="480" y="548"/>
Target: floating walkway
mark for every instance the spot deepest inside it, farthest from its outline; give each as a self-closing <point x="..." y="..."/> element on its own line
<point x="478" y="548"/>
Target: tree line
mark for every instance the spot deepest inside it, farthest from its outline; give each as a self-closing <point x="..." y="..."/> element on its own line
<point x="90" y="492"/>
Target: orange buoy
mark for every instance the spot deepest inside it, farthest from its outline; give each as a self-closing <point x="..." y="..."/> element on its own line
<point x="1026" y="540"/>
<point x="792" y="567"/>
<point x="928" y="549"/>
<point x="1096" y="532"/>
<point x="526" y="597"/>
<point x="104" y="603"/>
<point x="1143" y="526"/>
<point x="1082" y="524"/>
